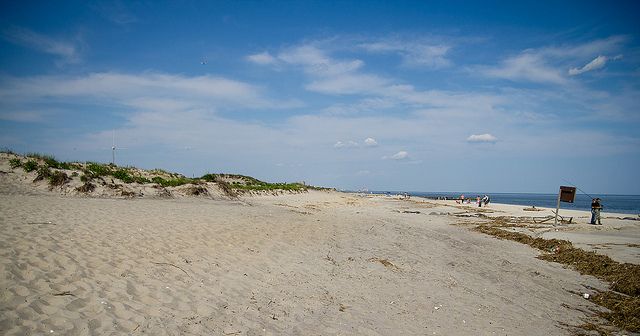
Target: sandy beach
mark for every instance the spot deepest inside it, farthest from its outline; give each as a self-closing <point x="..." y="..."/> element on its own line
<point x="315" y="263"/>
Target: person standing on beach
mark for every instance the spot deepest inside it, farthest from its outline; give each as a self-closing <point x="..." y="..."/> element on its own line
<point x="596" y="206"/>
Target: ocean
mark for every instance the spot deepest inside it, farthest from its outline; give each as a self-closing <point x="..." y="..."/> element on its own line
<point x="626" y="204"/>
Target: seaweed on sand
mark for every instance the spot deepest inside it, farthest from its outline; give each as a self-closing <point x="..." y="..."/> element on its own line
<point x="624" y="278"/>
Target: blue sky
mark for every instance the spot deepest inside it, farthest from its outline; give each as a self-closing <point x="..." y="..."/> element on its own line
<point x="398" y="95"/>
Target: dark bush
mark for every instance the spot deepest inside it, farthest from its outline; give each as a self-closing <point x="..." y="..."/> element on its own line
<point x="87" y="187"/>
<point x="58" y="178"/>
<point x="51" y="162"/>
<point x="197" y="190"/>
<point x="30" y="166"/>
<point x="43" y="173"/>
<point x="209" y="177"/>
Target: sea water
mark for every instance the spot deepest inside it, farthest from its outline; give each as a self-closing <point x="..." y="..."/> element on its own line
<point x="626" y="204"/>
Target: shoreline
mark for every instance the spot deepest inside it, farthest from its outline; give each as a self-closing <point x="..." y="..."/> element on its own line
<point x="452" y="196"/>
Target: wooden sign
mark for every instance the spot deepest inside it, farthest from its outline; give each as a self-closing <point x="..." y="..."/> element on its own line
<point x="567" y="194"/>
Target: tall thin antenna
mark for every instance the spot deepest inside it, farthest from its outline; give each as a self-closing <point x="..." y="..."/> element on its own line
<point x="113" y="149"/>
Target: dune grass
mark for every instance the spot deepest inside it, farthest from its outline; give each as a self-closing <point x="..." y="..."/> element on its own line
<point x="231" y="184"/>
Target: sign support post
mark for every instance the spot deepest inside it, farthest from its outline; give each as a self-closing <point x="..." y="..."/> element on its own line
<point x="557" y="209"/>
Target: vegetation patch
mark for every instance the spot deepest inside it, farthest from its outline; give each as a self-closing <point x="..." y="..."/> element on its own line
<point x="123" y="175"/>
<point x="174" y="182"/>
<point x="209" y="177"/>
<point x="15" y="163"/>
<point x="43" y="173"/>
<point x="197" y="190"/>
<point x="271" y="186"/>
<point x="226" y="188"/>
<point x="30" y="166"/>
<point x="58" y="178"/>
<point x="96" y="169"/>
<point x="51" y="162"/>
<point x="623" y="277"/>
<point x="87" y="187"/>
<point x="624" y="310"/>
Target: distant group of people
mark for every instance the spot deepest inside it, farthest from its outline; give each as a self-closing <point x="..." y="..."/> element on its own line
<point x="479" y="200"/>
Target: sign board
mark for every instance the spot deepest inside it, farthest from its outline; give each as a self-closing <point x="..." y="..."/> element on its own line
<point x="567" y="194"/>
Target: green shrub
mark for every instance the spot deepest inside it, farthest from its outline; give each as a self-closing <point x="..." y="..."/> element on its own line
<point x="209" y="177"/>
<point x="30" y="166"/>
<point x="157" y="179"/>
<point x="141" y="180"/>
<point x="85" y="178"/>
<point x="43" y="173"/>
<point x="123" y="175"/>
<point x="15" y="163"/>
<point x="272" y="186"/>
<point x="58" y="178"/>
<point x="175" y="182"/>
<point x="51" y="162"/>
<point x="97" y="169"/>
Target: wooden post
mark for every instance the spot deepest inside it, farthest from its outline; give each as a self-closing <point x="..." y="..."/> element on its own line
<point x="557" y="209"/>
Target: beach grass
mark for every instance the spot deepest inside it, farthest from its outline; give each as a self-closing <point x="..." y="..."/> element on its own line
<point x="230" y="184"/>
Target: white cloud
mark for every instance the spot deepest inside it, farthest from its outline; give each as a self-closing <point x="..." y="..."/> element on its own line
<point x="401" y="155"/>
<point x="348" y="84"/>
<point x="65" y="50"/>
<point x="596" y="63"/>
<point x="263" y="58"/>
<point x="371" y="142"/>
<point x="347" y="144"/>
<point x="547" y="64"/>
<point x="595" y="47"/>
<point x="480" y="138"/>
<point x="413" y="53"/>
<point x="527" y="66"/>
<point x="150" y="89"/>
<point x="316" y="63"/>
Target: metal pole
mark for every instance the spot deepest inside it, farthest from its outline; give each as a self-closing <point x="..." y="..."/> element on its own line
<point x="557" y="209"/>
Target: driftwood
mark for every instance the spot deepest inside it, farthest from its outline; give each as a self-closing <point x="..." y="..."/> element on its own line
<point x="41" y="223"/>
<point x="563" y="219"/>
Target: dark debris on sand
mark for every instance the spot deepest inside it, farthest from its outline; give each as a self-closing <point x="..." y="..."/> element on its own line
<point x="623" y="300"/>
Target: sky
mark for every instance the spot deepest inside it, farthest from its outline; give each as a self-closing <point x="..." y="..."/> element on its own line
<point x="487" y="96"/>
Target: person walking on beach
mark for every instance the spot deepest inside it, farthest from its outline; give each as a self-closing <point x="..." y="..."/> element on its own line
<point x="596" y="206"/>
